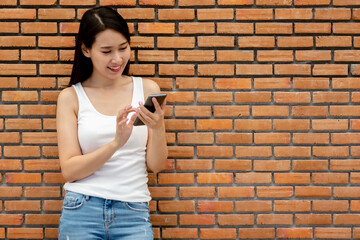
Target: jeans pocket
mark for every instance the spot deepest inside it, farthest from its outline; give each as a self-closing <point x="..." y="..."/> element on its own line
<point x="73" y="200"/>
<point x="138" y="206"/>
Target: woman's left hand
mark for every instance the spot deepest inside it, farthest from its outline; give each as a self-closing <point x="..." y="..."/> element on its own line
<point x="153" y="120"/>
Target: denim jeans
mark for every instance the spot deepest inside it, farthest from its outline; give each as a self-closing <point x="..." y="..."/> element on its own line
<point x="91" y="218"/>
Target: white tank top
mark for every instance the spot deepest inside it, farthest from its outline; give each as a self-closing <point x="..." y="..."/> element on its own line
<point x="123" y="177"/>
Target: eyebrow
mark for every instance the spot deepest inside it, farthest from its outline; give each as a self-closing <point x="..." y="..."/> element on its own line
<point x="121" y="44"/>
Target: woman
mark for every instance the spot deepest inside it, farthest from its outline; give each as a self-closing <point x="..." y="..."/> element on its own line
<point x="103" y="157"/>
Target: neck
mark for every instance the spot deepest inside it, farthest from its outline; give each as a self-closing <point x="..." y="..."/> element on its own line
<point x="99" y="82"/>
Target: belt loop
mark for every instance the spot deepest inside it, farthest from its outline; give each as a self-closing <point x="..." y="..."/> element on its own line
<point x="87" y="197"/>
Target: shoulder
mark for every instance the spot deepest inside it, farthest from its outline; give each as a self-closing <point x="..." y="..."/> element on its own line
<point x="150" y="87"/>
<point x="67" y="99"/>
<point x="67" y="94"/>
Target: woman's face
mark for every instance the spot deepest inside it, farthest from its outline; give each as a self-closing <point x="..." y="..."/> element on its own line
<point x="109" y="54"/>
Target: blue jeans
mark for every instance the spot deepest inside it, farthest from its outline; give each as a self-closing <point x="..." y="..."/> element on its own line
<point x="91" y="218"/>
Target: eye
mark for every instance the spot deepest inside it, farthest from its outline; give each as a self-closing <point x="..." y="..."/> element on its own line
<point x="122" y="49"/>
<point x="106" y="52"/>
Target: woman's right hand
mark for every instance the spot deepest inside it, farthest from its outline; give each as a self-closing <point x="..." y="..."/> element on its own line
<point x="124" y="126"/>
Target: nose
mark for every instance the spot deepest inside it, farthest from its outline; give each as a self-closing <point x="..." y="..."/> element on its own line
<point x="116" y="57"/>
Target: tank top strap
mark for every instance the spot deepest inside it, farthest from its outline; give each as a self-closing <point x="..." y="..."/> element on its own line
<point x="81" y="95"/>
<point x="138" y="91"/>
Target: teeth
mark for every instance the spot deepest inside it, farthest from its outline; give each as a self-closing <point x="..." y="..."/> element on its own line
<point x="114" y="68"/>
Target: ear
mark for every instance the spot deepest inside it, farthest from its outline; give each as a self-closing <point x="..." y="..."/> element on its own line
<point x="85" y="50"/>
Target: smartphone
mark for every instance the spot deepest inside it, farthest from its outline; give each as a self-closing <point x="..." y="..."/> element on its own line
<point x="150" y="105"/>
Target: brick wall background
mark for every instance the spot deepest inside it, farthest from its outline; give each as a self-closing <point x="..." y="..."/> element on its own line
<point x="262" y="120"/>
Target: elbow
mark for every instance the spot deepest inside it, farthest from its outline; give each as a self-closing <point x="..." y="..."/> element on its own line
<point x="68" y="177"/>
<point x="159" y="166"/>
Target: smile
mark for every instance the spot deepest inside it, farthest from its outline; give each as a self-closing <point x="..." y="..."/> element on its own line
<point x="115" y="69"/>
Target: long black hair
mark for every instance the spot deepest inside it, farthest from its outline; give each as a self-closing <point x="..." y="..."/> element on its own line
<point x="94" y="21"/>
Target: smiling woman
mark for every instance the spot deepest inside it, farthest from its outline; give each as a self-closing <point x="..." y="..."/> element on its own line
<point x="103" y="156"/>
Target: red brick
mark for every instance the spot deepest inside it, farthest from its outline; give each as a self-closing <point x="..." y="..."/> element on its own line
<point x="294" y="14"/>
<point x="272" y="192"/>
<point x="274" y="219"/>
<point x="311" y="138"/>
<point x="307" y="111"/>
<point x="235" y="28"/>
<point x="346" y="28"/>
<point x="214" y="151"/>
<point x="231" y="165"/>
<point x="233" y="83"/>
<point x="38" y="2"/>
<point x="330" y="206"/>
<point x="291" y="151"/>
<point x="254" y="14"/>
<point x="333" y="233"/>
<point x="26" y="233"/>
<point x="60" y="14"/>
<point x="330" y="178"/>
<point x="310" y="165"/>
<point x="294" y="42"/>
<point x="215" y="206"/>
<point x="176" y="206"/>
<point x="292" y="97"/>
<point x="23" y="178"/>
<point x="178" y="233"/>
<point x="42" y="192"/>
<point x="268" y="138"/>
<point x="292" y="178"/>
<point x="215" y="14"/>
<point x="203" y="219"/>
<point x="271" y="165"/>
<point x="115" y="2"/>
<point x="215" y="69"/>
<point x="9" y="13"/>
<point x="333" y="14"/>
<point x="292" y="69"/>
<point x="163" y="220"/>
<point x="235" y="219"/>
<point x="273" y="28"/>
<point x="256" y="233"/>
<point x="310" y="83"/>
<point x="253" y="124"/>
<point x="309" y="191"/>
<point x="253" y="151"/>
<point x="292" y="206"/>
<point x="296" y="233"/>
<point x="191" y="164"/>
<point x="225" y="233"/>
<point x="178" y="178"/>
<point x="253" y="178"/>
<point x="196" y="28"/>
<point x="196" y="55"/>
<point x="157" y="3"/>
<point x="236" y="192"/>
<point x="311" y="55"/>
<point x="256" y="42"/>
<point x="11" y="219"/>
<point x="197" y="192"/>
<point x="22" y="205"/>
<point x="253" y="206"/>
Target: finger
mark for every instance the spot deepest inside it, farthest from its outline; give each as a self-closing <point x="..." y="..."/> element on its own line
<point x="158" y="108"/>
<point x="145" y="118"/>
<point x="143" y="109"/>
<point x="133" y="117"/>
<point x="122" y="122"/>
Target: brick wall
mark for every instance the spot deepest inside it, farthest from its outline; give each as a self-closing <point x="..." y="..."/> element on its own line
<point x="262" y="120"/>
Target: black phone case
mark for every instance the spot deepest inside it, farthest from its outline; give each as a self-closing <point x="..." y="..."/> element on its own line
<point x="150" y="105"/>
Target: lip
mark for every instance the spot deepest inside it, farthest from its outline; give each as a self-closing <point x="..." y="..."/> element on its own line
<point x="115" y="69"/>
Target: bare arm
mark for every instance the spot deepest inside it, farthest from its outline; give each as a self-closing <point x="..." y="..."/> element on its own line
<point x="75" y="165"/>
<point x="157" y="152"/>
